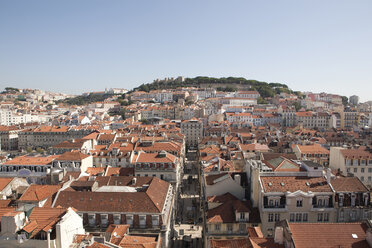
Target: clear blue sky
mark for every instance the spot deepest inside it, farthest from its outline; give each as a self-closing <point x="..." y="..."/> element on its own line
<point x="77" y="46"/>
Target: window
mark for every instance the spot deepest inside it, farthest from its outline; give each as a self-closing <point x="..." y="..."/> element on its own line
<point x="304" y="217"/>
<point x="355" y="170"/>
<point x="271" y="202"/>
<point x="291" y="217"/>
<point x="277" y="217"/>
<point x="353" y="215"/>
<point x="326" y="216"/>
<point x="369" y="170"/>
<point x="362" y="178"/>
<point x="320" y="202"/>
<point x="217" y="227"/>
<point x="298" y="217"/>
<point x="369" y="179"/>
<point x="117" y="218"/>
<point x="299" y="202"/>
<point x="104" y="220"/>
<point x="271" y="218"/>
<point x="142" y="221"/>
<point x="155" y="220"/>
<point x="92" y="220"/>
<point x="362" y="170"/>
<point x="320" y="217"/>
<point x="242" y="216"/>
<point x="342" y="216"/>
<point x="130" y="220"/>
<point x="242" y="228"/>
<point x="229" y="227"/>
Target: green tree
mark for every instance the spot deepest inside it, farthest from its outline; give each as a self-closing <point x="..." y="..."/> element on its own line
<point x="345" y="100"/>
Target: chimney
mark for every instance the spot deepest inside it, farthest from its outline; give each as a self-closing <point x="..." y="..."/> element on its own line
<point x="237" y="179"/>
<point x="328" y="177"/>
<point x="279" y="235"/>
<point x="134" y="181"/>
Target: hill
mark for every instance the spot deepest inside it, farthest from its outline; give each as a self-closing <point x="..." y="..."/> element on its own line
<point x="221" y="84"/>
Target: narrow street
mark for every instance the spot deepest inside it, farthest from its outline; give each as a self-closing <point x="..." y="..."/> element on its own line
<point x="188" y="224"/>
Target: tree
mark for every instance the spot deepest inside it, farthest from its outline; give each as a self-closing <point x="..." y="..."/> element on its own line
<point x="345" y="100"/>
<point x="29" y="149"/>
<point x="39" y="150"/>
<point x="297" y="105"/>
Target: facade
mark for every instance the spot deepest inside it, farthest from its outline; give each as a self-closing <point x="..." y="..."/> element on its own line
<point x="193" y="131"/>
<point x="48" y="136"/>
<point x="146" y="205"/>
<point x="295" y="198"/>
<point x="354" y="162"/>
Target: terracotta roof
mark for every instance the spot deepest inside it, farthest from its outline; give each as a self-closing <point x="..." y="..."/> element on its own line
<point x="210" y="178"/>
<point x="4" y="181"/>
<point x="329" y="235"/>
<point x="312" y="149"/>
<point x="72" y="156"/>
<point x="31" y="160"/>
<point x="294" y="183"/>
<point x="51" y="129"/>
<point x="36" y="192"/>
<point x="143" y="157"/>
<point x="117" y="232"/>
<point x="150" y="201"/>
<point x="130" y="241"/>
<point x="348" y="184"/>
<point x="43" y="219"/>
<point x="225" y="213"/>
<point x="356" y="154"/>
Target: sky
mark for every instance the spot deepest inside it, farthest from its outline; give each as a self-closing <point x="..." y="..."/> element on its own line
<point x="78" y="46"/>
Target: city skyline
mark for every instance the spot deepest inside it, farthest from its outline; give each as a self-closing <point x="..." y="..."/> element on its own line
<point x="82" y="46"/>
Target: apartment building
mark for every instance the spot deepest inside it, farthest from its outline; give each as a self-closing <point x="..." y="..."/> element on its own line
<point x="355" y="162"/>
<point x="34" y="168"/>
<point x="144" y="203"/>
<point x="352" y="199"/>
<point x="229" y="217"/>
<point x="193" y="131"/>
<point x="162" y="165"/>
<point x="314" y="152"/>
<point x="8" y="138"/>
<point x="48" y="136"/>
<point x="295" y="198"/>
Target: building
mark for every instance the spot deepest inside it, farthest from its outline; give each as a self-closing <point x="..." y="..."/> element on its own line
<point x="44" y="228"/>
<point x="356" y="162"/>
<point x="193" y="131"/>
<point x="352" y="199"/>
<point x="229" y="217"/>
<point x="295" y="198"/>
<point x="48" y="136"/>
<point x="34" y="168"/>
<point x="144" y="203"/>
<point x="314" y="152"/>
<point x="162" y="165"/>
<point x="325" y="235"/>
<point x="354" y="100"/>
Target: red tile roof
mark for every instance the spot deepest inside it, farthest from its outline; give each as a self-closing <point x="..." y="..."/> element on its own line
<point x="294" y="183"/>
<point x="329" y="235"/>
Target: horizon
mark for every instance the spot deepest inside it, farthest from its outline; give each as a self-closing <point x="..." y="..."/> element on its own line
<point x="76" y="47"/>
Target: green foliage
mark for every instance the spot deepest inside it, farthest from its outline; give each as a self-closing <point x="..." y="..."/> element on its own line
<point x="260" y="100"/>
<point x="297" y="105"/>
<point x="39" y="150"/>
<point x="29" y="149"/>
<point x="345" y="100"/>
<point x="83" y="100"/>
<point x="265" y="89"/>
<point x="11" y="89"/>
